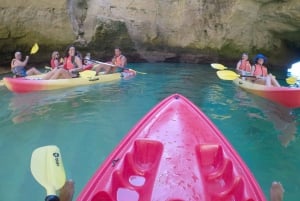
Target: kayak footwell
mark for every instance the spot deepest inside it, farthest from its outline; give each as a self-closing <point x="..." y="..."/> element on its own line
<point x="135" y="179"/>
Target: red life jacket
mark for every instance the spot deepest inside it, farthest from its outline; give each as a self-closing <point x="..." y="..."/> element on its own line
<point x="260" y="70"/>
<point x="245" y="66"/>
<point x="52" y="63"/>
<point x="70" y="63"/>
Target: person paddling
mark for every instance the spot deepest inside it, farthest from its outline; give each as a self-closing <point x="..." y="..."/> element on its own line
<point x="117" y="64"/>
<point x="261" y="72"/>
<point x="18" y="67"/>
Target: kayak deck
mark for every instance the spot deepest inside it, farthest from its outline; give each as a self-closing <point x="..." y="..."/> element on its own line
<point x="285" y="96"/>
<point x="174" y="153"/>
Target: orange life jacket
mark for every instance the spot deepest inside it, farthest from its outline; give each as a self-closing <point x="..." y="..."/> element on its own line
<point x="260" y="70"/>
<point x="245" y="66"/>
<point x="118" y="61"/>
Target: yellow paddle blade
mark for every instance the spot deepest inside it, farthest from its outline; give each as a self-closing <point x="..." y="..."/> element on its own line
<point x="47" y="168"/>
<point x="87" y="74"/>
<point x="218" y="66"/>
<point x="291" y="80"/>
<point x="227" y="75"/>
<point x="34" y="48"/>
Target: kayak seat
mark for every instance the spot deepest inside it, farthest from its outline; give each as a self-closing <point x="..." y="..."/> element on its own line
<point x="227" y="168"/>
<point x="210" y="157"/>
<point x="120" y="188"/>
<point x="138" y="170"/>
<point x="223" y="179"/>
<point x="235" y="191"/>
<point x="222" y="182"/>
<point x="147" y="154"/>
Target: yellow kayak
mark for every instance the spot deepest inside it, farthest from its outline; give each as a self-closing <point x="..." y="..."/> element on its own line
<point x="26" y="85"/>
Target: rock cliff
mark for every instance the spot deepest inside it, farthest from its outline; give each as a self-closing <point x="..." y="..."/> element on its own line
<point x="158" y="30"/>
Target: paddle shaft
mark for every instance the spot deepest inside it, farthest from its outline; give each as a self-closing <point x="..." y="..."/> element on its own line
<point x="258" y="77"/>
<point x="108" y="64"/>
<point x="248" y="76"/>
<point x="255" y="77"/>
<point x="112" y="65"/>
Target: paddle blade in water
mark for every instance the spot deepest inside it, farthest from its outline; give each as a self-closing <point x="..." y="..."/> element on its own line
<point x="227" y="75"/>
<point x="34" y="48"/>
<point x="291" y="80"/>
<point x="87" y="74"/>
<point x="47" y="168"/>
<point x="218" y="66"/>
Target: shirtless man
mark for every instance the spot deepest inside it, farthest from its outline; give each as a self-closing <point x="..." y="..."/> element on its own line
<point x="18" y="67"/>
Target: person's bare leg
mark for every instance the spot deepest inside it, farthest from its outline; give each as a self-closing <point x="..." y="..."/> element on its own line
<point x="33" y="71"/>
<point x="61" y="74"/>
<point x="112" y="69"/>
<point x="274" y="81"/>
<point x="49" y="75"/>
<point x="102" y="67"/>
<point x="276" y="192"/>
<point x="268" y="80"/>
<point x="67" y="191"/>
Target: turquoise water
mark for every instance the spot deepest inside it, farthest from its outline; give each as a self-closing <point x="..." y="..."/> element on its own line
<point x="86" y="123"/>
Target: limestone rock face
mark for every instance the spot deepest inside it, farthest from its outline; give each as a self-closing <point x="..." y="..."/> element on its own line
<point x="22" y="23"/>
<point x="157" y="30"/>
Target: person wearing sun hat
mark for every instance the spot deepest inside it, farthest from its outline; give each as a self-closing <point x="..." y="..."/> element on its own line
<point x="261" y="72"/>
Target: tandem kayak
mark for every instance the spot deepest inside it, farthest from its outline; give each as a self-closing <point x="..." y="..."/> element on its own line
<point x="285" y="96"/>
<point x="25" y="85"/>
<point x="174" y="153"/>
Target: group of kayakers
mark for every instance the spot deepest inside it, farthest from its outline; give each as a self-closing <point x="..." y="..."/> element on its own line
<point x="258" y="72"/>
<point x="70" y="65"/>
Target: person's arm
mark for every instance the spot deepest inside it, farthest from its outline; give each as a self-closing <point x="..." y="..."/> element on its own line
<point x="56" y="63"/>
<point x="252" y="70"/>
<point x="113" y="61"/>
<point x="20" y="63"/>
<point x="238" y="65"/>
<point x="249" y="65"/>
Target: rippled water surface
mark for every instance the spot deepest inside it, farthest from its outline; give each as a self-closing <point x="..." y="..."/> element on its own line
<point x="88" y="122"/>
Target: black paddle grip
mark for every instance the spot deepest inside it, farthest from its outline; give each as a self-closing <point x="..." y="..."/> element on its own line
<point x="51" y="198"/>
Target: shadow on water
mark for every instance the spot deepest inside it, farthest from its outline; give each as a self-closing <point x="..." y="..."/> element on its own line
<point x="282" y="118"/>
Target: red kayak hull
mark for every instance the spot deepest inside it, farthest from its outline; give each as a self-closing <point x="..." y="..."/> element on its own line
<point x="285" y="96"/>
<point x="174" y="153"/>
